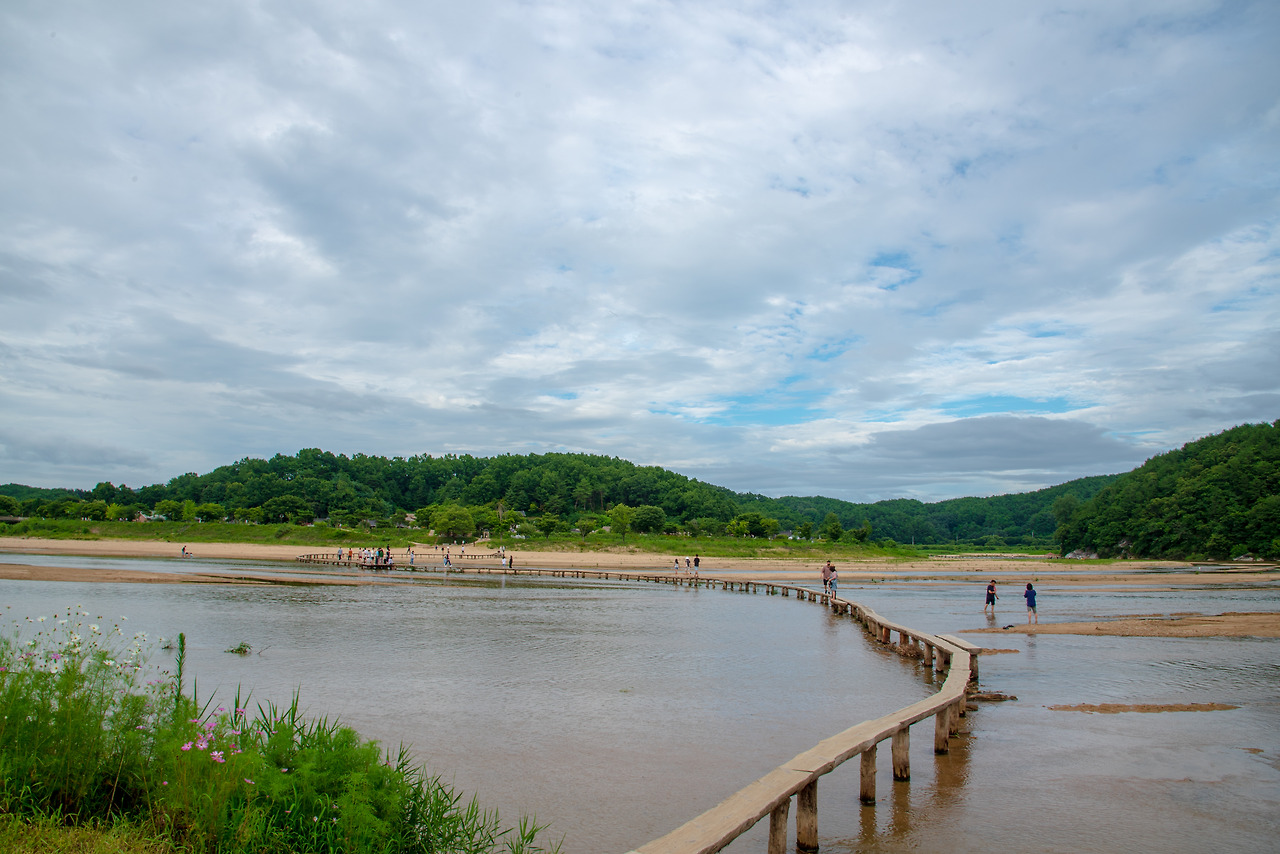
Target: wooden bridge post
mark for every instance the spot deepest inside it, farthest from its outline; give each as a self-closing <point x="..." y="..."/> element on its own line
<point x="901" y="750"/>
<point x="778" y="827"/>
<point x="927" y="655"/>
<point x="807" y="819"/>
<point x="942" y="730"/>
<point x="867" y="793"/>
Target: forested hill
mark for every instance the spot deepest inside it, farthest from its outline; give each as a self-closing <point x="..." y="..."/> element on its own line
<point x="1024" y="518"/>
<point x="1216" y="497"/>
<point x="315" y="484"/>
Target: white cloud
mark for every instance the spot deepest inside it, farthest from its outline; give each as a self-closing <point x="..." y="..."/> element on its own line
<point x="801" y="249"/>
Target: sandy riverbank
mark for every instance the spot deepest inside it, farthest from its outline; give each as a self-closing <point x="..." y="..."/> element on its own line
<point x="1231" y="624"/>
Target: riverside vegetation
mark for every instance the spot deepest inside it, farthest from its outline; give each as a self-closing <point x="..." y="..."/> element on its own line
<point x="101" y="752"/>
<point x="1218" y="497"/>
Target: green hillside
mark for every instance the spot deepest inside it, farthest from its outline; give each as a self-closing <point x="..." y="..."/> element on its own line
<point x="1216" y="497"/>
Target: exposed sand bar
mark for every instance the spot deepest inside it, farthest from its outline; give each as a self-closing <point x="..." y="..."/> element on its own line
<point x="1117" y="708"/>
<point x="1232" y="625"/>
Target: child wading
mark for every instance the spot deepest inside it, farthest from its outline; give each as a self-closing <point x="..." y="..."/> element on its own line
<point x="1030" y="595"/>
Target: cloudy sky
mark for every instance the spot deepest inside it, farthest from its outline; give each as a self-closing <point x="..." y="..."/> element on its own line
<point x="858" y="249"/>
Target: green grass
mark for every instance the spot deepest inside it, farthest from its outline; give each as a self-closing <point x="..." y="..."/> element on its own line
<point x="204" y="532"/>
<point x="323" y="537"/>
<point x="91" y="737"/>
<point x="46" y="835"/>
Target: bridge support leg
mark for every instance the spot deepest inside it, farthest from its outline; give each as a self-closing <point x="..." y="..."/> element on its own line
<point x="927" y="657"/>
<point x="778" y="827"/>
<point x="807" y="819"/>
<point x="867" y="793"/>
<point x="942" y="730"/>
<point x="902" y="754"/>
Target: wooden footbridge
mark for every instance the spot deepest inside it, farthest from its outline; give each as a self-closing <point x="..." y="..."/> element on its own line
<point x="772" y="794"/>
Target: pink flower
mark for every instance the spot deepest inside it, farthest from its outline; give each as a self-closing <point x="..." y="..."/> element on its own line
<point x="186" y="746"/>
<point x="250" y="782"/>
<point x="216" y="756"/>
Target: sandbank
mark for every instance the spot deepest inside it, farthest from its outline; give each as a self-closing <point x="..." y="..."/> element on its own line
<point x="1265" y="624"/>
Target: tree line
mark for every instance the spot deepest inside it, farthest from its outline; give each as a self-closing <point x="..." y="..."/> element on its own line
<point x="464" y="495"/>
<point x="1216" y="497"/>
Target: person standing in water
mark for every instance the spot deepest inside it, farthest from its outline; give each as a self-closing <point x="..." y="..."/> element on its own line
<point x="1030" y="595"/>
<point x="991" y="598"/>
<point x="835" y="580"/>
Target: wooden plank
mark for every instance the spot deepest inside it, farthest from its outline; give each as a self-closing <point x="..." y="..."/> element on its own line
<point x="732" y="817"/>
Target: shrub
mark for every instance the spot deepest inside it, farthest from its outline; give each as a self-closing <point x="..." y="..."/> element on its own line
<point x="84" y="739"/>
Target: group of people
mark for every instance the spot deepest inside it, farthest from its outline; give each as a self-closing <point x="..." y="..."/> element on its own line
<point x="690" y="566"/>
<point x="830" y="579"/>
<point x="371" y="557"/>
<point x="383" y="558"/>
<point x="1029" y="594"/>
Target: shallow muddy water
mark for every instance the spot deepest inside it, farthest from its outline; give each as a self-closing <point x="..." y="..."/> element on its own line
<point x="618" y="711"/>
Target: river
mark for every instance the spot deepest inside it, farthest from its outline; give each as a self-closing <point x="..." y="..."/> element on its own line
<point x="616" y="711"/>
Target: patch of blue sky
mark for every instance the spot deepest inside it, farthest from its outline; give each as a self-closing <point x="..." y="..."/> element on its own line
<point x="563" y="395"/>
<point x="1004" y="403"/>
<point x="770" y="409"/>
<point x="1045" y="330"/>
<point x="935" y="309"/>
<point x="1130" y="434"/>
<point x="799" y="185"/>
<point x="900" y="266"/>
<point x="1241" y="302"/>
<point x="884" y="416"/>
<point x="833" y="349"/>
